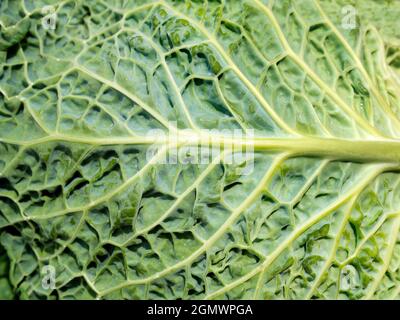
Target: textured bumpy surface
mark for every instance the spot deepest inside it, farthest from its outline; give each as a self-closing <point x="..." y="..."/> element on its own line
<point x="319" y="215"/>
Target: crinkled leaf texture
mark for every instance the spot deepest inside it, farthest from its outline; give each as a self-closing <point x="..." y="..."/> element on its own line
<point x="317" y="218"/>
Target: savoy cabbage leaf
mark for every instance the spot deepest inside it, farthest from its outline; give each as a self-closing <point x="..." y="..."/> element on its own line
<point x="87" y="88"/>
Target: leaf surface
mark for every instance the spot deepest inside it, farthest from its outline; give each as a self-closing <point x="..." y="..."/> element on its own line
<point x="82" y="104"/>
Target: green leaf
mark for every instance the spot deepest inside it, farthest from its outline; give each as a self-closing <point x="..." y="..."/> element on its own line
<point x="106" y="108"/>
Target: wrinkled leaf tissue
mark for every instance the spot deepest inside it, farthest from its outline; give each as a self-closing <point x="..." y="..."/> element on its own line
<point x="295" y="104"/>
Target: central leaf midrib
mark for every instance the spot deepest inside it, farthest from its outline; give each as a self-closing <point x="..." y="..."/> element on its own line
<point x="382" y="150"/>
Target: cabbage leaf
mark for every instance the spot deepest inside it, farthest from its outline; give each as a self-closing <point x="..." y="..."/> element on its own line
<point x="87" y="88"/>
